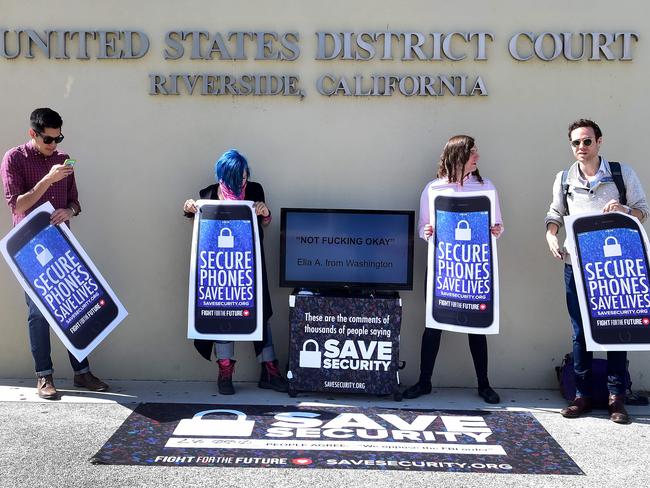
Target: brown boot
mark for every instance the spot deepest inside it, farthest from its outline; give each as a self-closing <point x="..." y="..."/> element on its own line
<point x="576" y="408"/>
<point x="45" y="387"/>
<point x="90" y="382"/>
<point x="617" y="412"/>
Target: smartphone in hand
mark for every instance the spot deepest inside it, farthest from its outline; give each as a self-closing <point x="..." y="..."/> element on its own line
<point x="70" y="162"/>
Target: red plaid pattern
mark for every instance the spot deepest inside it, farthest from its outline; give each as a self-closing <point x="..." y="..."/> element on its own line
<point x="23" y="167"/>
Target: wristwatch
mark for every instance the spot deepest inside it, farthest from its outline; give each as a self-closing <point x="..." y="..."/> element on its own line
<point x="629" y="210"/>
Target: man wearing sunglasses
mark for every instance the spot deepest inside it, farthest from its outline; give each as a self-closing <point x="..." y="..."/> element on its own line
<point x="592" y="184"/>
<point x="32" y="174"/>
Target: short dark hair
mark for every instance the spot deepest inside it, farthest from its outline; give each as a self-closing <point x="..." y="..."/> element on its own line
<point x="43" y="118"/>
<point x="586" y="123"/>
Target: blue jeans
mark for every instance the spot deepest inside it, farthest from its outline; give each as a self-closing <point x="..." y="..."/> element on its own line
<point x="39" y="339"/>
<point x="616" y="360"/>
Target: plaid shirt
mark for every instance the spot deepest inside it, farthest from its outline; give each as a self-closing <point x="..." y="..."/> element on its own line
<point x="23" y="167"/>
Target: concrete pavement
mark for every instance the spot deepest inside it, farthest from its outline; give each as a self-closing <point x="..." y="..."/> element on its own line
<point x="49" y="443"/>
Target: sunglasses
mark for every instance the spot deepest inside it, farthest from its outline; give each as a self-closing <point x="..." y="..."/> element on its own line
<point x="50" y="139"/>
<point x="587" y="142"/>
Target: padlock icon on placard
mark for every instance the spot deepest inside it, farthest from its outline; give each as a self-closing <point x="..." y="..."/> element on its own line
<point x="226" y="241"/>
<point x="310" y="359"/>
<point x="612" y="250"/>
<point x="463" y="233"/>
<point x="43" y="254"/>
<point x="197" y="425"/>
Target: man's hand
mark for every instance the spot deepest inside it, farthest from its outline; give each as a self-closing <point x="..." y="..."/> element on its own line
<point x="554" y="244"/>
<point x="428" y="231"/>
<point x="615" y="206"/>
<point x="61" y="215"/>
<point x="58" y="172"/>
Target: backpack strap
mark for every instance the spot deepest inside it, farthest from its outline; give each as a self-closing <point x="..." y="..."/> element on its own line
<point x="565" y="190"/>
<point x="617" y="176"/>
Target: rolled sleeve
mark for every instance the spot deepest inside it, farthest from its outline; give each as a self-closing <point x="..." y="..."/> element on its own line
<point x="12" y="181"/>
<point x="636" y="198"/>
<point x="557" y="209"/>
<point x="424" y="217"/>
<point x="73" y="194"/>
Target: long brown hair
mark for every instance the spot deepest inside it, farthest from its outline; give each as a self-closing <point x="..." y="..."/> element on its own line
<point x="453" y="158"/>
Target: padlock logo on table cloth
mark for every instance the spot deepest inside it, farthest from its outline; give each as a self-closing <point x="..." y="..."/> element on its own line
<point x="310" y="359"/>
<point x="198" y="425"/>
<point x="43" y="254"/>
<point x="226" y="239"/>
<point x="463" y="233"/>
<point x="612" y="248"/>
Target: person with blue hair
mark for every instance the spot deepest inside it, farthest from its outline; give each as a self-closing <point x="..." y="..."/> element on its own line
<point x="232" y="183"/>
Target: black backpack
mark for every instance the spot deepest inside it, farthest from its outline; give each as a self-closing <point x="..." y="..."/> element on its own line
<point x="617" y="176"/>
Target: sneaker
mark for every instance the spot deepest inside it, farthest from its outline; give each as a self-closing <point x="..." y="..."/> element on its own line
<point x="45" y="387"/>
<point x="90" y="382"/>
<point x="489" y="395"/>
<point x="576" y="408"/>
<point x="271" y="378"/>
<point x="417" y="390"/>
<point x="617" y="412"/>
<point x="224" y="380"/>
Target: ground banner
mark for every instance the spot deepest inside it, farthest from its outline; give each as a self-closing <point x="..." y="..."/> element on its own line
<point x="316" y="437"/>
<point x="63" y="282"/>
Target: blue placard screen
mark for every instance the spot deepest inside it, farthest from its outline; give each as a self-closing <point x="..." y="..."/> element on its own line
<point x="60" y="278"/>
<point x="615" y="272"/>
<point x="226" y="264"/>
<point x="462" y="256"/>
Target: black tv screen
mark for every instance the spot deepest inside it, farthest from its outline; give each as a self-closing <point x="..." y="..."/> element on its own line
<point x="336" y="248"/>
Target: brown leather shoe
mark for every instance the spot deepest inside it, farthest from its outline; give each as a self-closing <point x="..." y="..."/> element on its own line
<point x="617" y="412"/>
<point x="45" y="387"/>
<point x="576" y="408"/>
<point x="90" y="382"/>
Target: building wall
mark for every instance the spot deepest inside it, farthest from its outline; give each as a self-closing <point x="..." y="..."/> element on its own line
<point x="140" y="156"/>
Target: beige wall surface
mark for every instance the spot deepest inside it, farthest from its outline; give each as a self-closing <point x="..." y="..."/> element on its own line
<point x="140" y="156"/>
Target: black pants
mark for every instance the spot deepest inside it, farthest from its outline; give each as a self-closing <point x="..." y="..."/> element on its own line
<point x="429" y="352"/>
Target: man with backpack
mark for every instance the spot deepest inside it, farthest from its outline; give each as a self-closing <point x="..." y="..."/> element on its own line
<point x="592" y="184"/>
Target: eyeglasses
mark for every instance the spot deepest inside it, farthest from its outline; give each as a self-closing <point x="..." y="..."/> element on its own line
<point x="50" y="139"/>
<point x="587" y="142"/>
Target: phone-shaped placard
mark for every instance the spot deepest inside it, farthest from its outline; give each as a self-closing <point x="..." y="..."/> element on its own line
<point x="461" y="293"/>
<point x="60" y="278"/>
<point x="225" y="275"/>
<point x="613" y="266"/>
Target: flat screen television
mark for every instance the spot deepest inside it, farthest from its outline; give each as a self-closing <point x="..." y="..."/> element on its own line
<point x="340" y="248"/>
